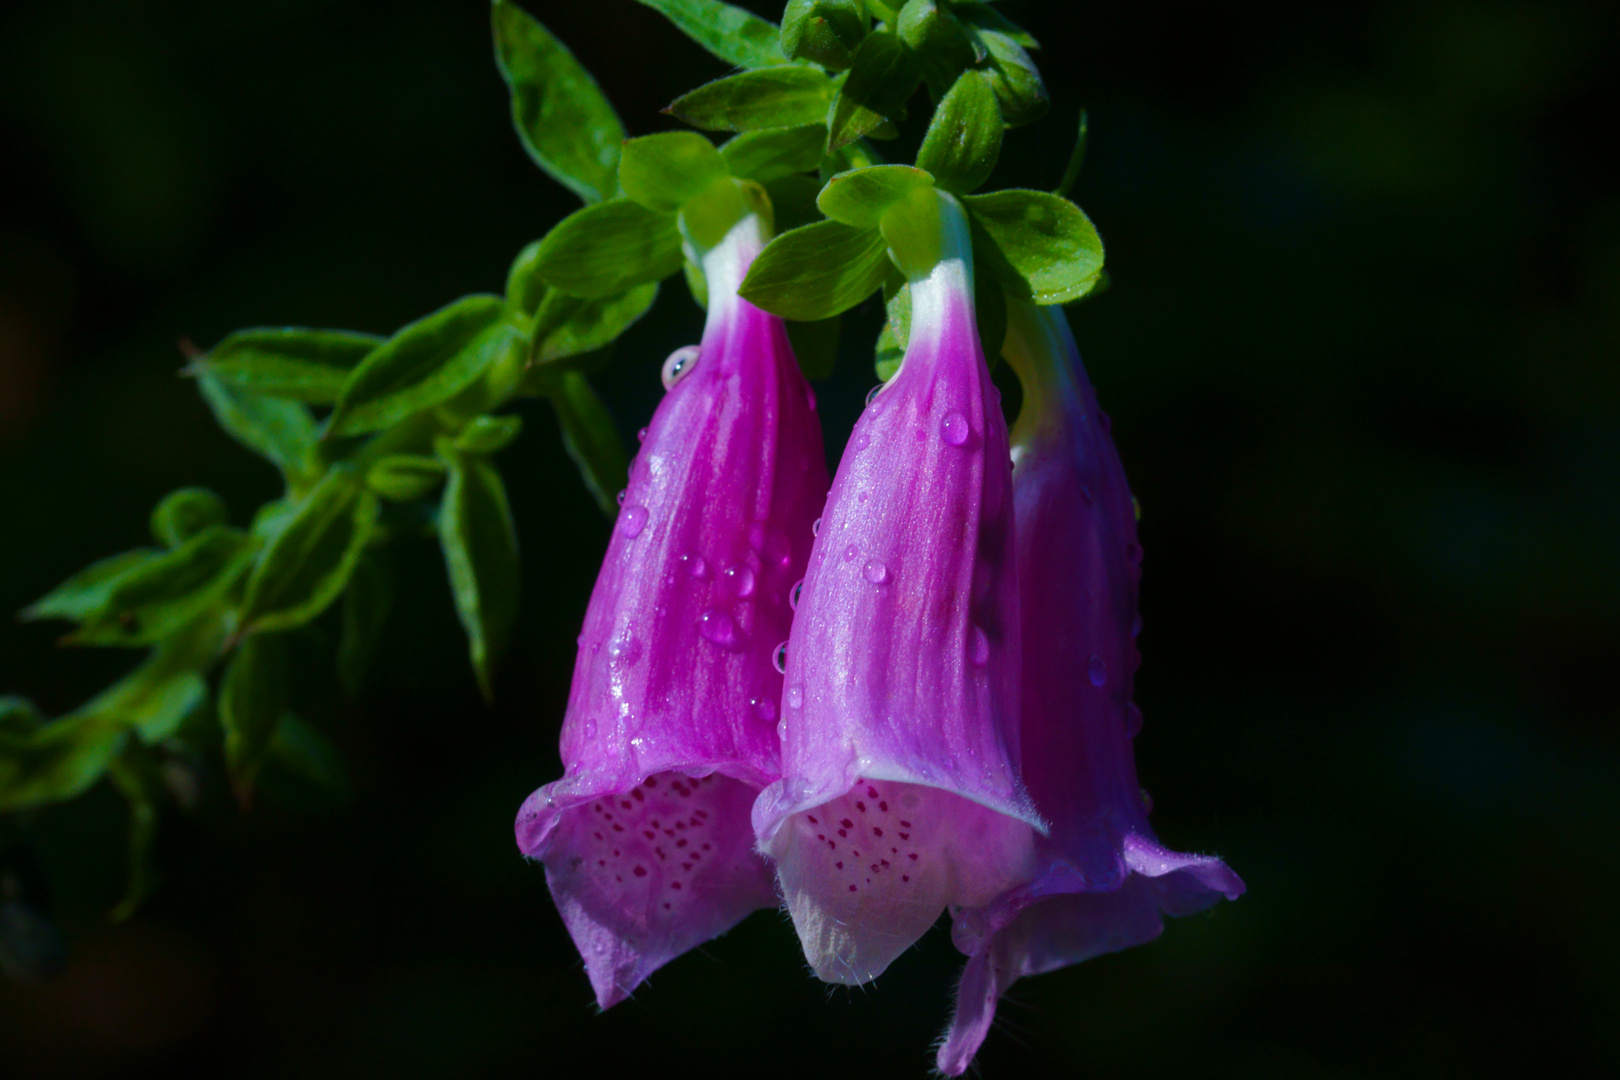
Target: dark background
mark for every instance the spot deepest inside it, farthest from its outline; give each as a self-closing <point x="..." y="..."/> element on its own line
<point x="1361" y="358"/>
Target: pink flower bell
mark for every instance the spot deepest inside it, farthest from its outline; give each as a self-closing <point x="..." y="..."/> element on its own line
<point x="671" y="728"/>
<point x="900" y="792"/>
<point x="1105" y="881"/>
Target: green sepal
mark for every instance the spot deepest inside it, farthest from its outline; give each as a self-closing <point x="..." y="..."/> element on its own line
<point x="696" y="283"/>
<point x="881" y="77"/>
<point x="525" y="288"/>
<point x="489" y="434"/>
<point x="662" y="171"/>
<point x="964" y="137"/>
<point x="790" y="96"/>
<point x="1077" y="158"/>
<point x="1014" y="76"/>
<point x="708" y="216"/>
<point x="942" y="45"/>
<point x="826" y="32"/>
<point x="861" y="197"/>
<point x="403" y="477"/>
<point x="163" y="594"/>
<point x="287" y="362"/>
<point x="307" y="562"/>
<point x="426" y="363"/>
<point x="738" y="37"/>
<point x="560" y="114"/>
<point x="1040" y="246"/>
<point x="90" y="590"/>
<point x="817" y="271"/>
<point x="771" y="153"/>
<point x="481" y="555"/>
<point x="815" y="345"/>
<point x="590" y="437"/>
<point x="367" y="603"/>
<point x="280" y="431"/>
<point x="252" y="701"/>
<point x="608" y="249"/>
<point x="182" y="514"/>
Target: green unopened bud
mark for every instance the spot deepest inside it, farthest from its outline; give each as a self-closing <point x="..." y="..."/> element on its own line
<point x="823" y="31"/>
<point x="185" y="513"/>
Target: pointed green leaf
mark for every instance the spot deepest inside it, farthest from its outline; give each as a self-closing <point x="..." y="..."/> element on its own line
<point x="736" y="36"/>
<point x="561" y="115"/>
<point x="1040" y="246"/>
<point x="280" y="431"/>
<point x="964" y="137"/>
<point x="608" y="249"/>
<point x="289" y="362"/>
<point x="568" y="325"/>
<point x="252" y="701"/>
<point x="184" y="513"/>
<point x="817" y="271"/>
<point x="591" y="438"/>
<point x="882" y="76"/>
<point x="307" y="563"/>
<point x="480" y="553"/>
<point x="366" y="605"/>
<point x="403" y="477"/>
<point x="860" y="197"/>
<point x="155" y="698"/>
<point x="90" y="590"/>
<point x="57" y="763"/>
<point x="163" y="594"/>
<point x="771" y="153"/>
<point x="752" y="100"/>
<point x="662" y="171"/>
<point x="488" y="434"/>
<point x="425" y="364"/>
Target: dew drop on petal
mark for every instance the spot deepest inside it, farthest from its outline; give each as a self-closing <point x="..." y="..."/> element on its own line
<point x="679" y="364"/>
<point x="632" y="521"/>
<point x="862" y="441"/>
<point x="719" y="628"/>
<point x="781" y="729"/>
<point x="815" y="527"/>
<point x="764" y="708"/>
<point x="876" y="572"/>
<point x="641" y="436"/>
<point x="851" y="553"/>
<point x="696" y="565"/>
<point x="871" y="397"/>
<point x="779" y="658"/>
<point x="979" y="646"/>
<point x="954" y="428"/>
<point x="793" y="596"/>
<point x="1097" y="671"/>
<point x="795" y="697"/>
<point x="742" y="580"/>
<point x="589" y="730"/>
<point x="619" y="498"/>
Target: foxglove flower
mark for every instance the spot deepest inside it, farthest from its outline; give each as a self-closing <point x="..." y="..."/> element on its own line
<point x="900" y="793"/>
<point x="671" y="724"/>
<point x="1105" y="881"/>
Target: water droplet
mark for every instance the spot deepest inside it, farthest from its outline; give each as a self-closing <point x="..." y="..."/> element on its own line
<point x="641" y="436"/>
<point x="719" y="628"/>
<point x="632" y="521"/>
<point x="742" y="580"/>
<point x="589" y="730"/>
<point x="851" y="552"/>
<point x="793" y="596"/>
<point x="624" y="650"/>
<point x="620" y="496"/>
<point x="1136" y="624"/>
<point x="781" y="729"/>
<point x="876" y="572"/>
<point x="764" y="708"/>
<point x="679" y="365"/>
<point x="779" y="658"/>
<point x="871" y="397"/>
<point x="1097" y="671"/>
<point x="1133" y="551"/>
<point x="696" y="565"/>
<point x="1085" y="493"/>
<point x="815" y="527"/>
<point x="862" y="441"/>
<point x="795" y="697"/>
<point x="954" y="428"/>
<point x="979" y="647"/>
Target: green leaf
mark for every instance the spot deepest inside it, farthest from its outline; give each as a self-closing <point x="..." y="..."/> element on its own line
<point x="815" y="345"/>
<point x="771" y="153"/>
<point x="184" y="513"/>
<point x="777" y="97"/>
<point x="425" y="364"/>
<point x="964" y="137"/>
<point x="824" y="31"/>
<point x="591" y="438"/>
<point x="57" y="763"/>
<point x="90" y="590"/>
<point x="860" y="197"/>
<point x="817" y="271"/>
<point x="561" y="115"/>
<point x="662" y="171"/>
<point x="308" y="562"/>
<point x="608" y="249"/>
<point x="1077" y="158"/>
<point x="480" y="552"/>
<point x="1017" y="82"/>
<point x="155" y="698"/>
<point x="881" y="78"/>
<point x="1040" y="246"/>
<point x="163" y="594"/>
<point x="252" y="702"/>
<point x="366" y="606"/>
<point x="280" y="431"/>
<point x="568" y="325"/>
<point x="403" y="477"/>
<point x="940" y="43"/>
<point x="137" y="778"/>
<point x="488" y="434"/>
<point x="525" y="288"/>
<point x="738" y="37"/>
<point x="289" y="362"/>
